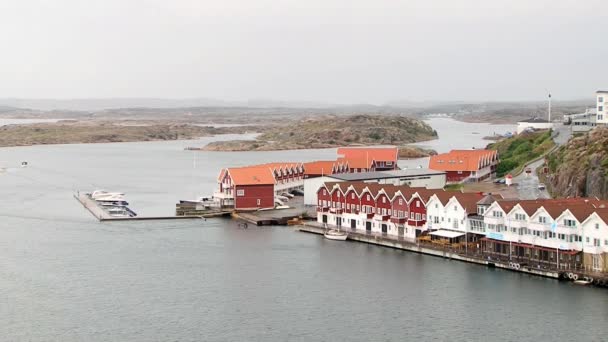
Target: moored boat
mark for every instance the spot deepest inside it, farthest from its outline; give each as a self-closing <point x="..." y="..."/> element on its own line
<point x="334" y="234"/>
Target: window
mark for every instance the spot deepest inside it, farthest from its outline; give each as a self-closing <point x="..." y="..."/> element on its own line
<point x="352" y="195"/>
<point x="600" y="99"/>
<point x="520" y="217"/>
<point x="324" y="192"/>
<point x="400" y="201"/>
<point x="383" y="199"/>
<point x="542" y="219"/>
<point x="596" y="242"/>
<point x="455" y="208"/>
<point x="497" y="213"/>
<point x="569" y="223"/>
<point x="240" y="192"/>
<point x="587" y="238"/>
<point x="597" y="226"/>
<point x="338" y="195"/>
<point x="367" y="197"/>
<point x="417" y="204"/>
<point x="259" y="201"/>
<point x="600" y="108"/>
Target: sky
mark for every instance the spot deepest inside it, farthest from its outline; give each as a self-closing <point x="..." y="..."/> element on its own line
<point x="326" y="51"/>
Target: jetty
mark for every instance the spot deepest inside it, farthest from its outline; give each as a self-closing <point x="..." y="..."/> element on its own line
<point x="103" y="216"/>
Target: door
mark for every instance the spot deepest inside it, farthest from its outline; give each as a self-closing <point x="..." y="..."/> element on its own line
<point x="353" y="224"/>
<point x="400" y="231"/>
<point x="384" y="229"/>
<point x="368" y="226"/>
<point x="324" y="218"/>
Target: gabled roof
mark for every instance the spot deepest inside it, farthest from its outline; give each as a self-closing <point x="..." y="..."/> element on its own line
<point x="488" y="199"/>
<point x="462" y="160"/>
<point x="258" y="175"/>
<point x="320" y="167"/>
<point x="363" y="157"/>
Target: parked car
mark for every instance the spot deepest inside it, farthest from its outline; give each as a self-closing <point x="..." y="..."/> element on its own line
<point x="528" y="170"/>
<point x="499" y="181"/>
<point x="541" y="186"/>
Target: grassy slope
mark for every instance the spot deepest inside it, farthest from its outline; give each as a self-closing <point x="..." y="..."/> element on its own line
<point x="516" y="151"/>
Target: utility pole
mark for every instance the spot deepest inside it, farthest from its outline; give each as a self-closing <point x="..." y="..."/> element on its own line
<point x="549" y="107"/>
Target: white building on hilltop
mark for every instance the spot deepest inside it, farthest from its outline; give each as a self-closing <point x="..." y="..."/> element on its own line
<point x="533" y="123"/>
<point x="602" y="101"/>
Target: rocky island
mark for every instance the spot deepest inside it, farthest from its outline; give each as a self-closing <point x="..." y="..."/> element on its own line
<point x="334" y="131"/>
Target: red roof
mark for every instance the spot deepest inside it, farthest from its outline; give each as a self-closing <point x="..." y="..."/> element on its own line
<point x="363" y="157"/>
<point x="321" y="167"/>
<point x="463" y="160"/>
<point x="251" y="175"/>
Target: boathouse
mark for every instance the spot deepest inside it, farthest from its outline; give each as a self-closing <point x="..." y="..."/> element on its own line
<point x="466" y="165"/>
<point x="365" y="159"/>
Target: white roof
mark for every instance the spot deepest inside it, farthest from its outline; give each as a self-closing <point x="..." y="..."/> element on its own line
<point x="446" y="233"/>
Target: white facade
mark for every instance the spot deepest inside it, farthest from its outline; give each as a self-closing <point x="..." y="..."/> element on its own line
<point x="311" y="186"/>
<point x="523" y="125"/>
<point x="602" y="112"/>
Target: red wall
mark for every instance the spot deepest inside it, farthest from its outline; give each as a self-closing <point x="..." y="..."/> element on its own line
<point x="265" y="193"/>
<point x="403" y="207"/>
<point x="353" y="202"/>
<point x="369" y="202"/>
<point x="453" y="176"/>
<point x="321" y="197"/>
<point x="417" y="210"/>
<point x="386" y="205"/>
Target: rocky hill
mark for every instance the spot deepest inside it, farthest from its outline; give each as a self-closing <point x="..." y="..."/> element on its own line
<point x="580" y="168"/>
<point x="333" y="131"/>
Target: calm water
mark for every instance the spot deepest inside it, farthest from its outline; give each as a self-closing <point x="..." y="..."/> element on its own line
<point x="66" y="277"/>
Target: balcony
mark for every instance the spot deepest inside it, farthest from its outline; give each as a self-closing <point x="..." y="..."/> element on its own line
<point x="336" y="210"/>
<point x="322" y="209"/>
<point x="370" y="216"/>
<point x="493" y="220"/>
<point x="399" y="220"/>
<point x="379" y="217"/>
<point x="416" y="223"/>
<point x="223" y="195"/>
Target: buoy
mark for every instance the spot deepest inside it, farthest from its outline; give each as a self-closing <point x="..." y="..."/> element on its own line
<point x="590" y="279"/>
<point x="575" y="277"/>
<point x="570" y="275"/>
<point x="511" y="265"/>
<point x="518" y="266"/>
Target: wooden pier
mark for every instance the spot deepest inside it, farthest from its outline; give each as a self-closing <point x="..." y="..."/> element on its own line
<point x="93" y="207"/>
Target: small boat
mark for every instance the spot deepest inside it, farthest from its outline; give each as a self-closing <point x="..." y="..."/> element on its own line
<point x="334" y="234"/>
<point x="582" y="282"/>
<point x="282" y="207"/>
<point x="24" y="164"/>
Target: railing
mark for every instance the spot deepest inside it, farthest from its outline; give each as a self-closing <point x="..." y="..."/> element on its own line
<point x="399" y="220"/>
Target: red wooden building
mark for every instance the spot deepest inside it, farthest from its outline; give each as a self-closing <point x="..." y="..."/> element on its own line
<point x="462" y="165"/>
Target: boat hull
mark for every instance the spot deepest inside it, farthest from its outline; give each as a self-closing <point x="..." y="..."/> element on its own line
<point x="340" y="237"/>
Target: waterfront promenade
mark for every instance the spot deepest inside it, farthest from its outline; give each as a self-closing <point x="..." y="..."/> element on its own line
<point x="470" y="255"/>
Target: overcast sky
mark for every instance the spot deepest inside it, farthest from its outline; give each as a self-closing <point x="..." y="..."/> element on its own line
<point x="331" y="51"/>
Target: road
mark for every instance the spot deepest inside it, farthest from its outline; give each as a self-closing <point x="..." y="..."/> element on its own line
<point x="527" y="184"/>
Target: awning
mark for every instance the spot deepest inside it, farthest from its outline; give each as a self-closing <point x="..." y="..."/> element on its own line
<point x="446" y="233"/>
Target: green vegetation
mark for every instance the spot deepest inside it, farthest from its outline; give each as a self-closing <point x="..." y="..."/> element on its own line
<point x="515" y="152"/>
<point x="454" y="187"/>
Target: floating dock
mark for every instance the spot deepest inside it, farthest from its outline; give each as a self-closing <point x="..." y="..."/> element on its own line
<point x="95" y="209"/>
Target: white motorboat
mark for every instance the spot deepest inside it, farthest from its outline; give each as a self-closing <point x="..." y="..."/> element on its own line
<point x="102" y="195"/>
<point x="282" y="198"/>
<point x="582" y="282"/>
<point x="334" y="234"/>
